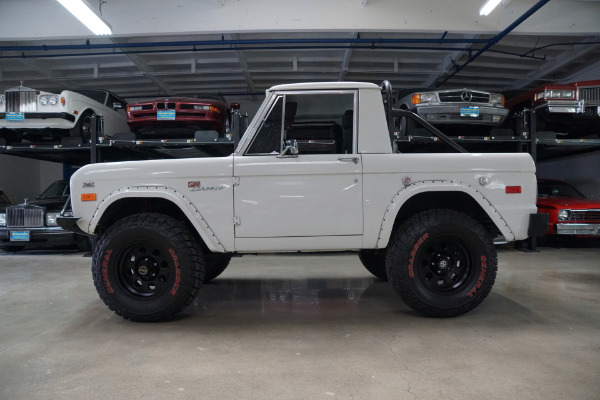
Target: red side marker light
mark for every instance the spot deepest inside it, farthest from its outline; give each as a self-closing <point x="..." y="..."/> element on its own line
<point x="513" y="189"/>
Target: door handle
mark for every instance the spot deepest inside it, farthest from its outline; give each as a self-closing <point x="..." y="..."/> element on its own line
<point x="348" y="159"/>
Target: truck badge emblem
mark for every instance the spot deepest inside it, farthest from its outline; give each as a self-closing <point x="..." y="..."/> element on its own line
<point x="88" y="185"/>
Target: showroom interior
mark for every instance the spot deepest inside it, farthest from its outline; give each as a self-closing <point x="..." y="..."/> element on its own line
<point x="298" y="325"/>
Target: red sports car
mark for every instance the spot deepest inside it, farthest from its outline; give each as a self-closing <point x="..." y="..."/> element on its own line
<point x="180" y="117"/>
<point x="570" y="212"/>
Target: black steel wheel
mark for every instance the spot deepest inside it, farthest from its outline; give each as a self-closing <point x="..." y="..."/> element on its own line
<point x="148" y="267"/>
<point x="442" y="263"/>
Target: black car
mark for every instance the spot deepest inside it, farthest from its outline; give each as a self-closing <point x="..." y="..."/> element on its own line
<point x="33" y="223"/>
<point x="4" y="200"/>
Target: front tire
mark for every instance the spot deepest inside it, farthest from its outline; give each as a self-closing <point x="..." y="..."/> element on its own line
<point x="442" y="263"/>
<point x="148" y="267"/>
<point x="83" y="127"/>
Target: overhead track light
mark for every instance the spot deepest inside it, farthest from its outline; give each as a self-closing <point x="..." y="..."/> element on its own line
<point x="82" y="11"/>
<point x="488" y="7"/>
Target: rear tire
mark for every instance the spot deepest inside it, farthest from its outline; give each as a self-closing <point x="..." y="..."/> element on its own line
<point x="148" y="267"/>
<point x="442" y="263"/>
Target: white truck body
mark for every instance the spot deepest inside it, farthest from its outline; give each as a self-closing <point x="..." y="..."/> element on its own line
<point x="270" y="201"/>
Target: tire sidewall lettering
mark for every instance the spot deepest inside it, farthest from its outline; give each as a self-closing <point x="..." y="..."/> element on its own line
<point x="411" y="271"/>
<point x="104" y="271"/>
<point x="481" y="278"/>
<point x="177" y="272"/>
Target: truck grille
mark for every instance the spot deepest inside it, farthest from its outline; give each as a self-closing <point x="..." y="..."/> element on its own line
<point x="20" y="100"/>
<point x="24" y="217"/>
<point x="461" y="96"/>
<point x="590" y="95"/>
<point x="586" y="216"/>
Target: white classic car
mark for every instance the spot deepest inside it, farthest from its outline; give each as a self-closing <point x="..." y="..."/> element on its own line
<point x="33" y="114"/>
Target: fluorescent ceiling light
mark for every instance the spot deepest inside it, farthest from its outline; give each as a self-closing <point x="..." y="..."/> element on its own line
<point x="487" y="7"/>
<point x="84" y="13"/>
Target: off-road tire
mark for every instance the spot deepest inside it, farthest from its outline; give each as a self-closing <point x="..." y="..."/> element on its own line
<point x="442" y="263"/>
<point x="215" y="265"/>
<point x="374" y="262"/>
<point x="148" y="267"/>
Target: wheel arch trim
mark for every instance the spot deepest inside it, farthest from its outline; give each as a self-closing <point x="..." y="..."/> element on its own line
<point x="193" y="215"/>
<point x="430" y="186"/>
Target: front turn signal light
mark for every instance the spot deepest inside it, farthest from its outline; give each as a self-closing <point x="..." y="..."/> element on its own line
<point x="88" y="197"/>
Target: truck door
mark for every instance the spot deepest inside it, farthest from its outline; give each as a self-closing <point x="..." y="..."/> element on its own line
<point x="316" y="193"/>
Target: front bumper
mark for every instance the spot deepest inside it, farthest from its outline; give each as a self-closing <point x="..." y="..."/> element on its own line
<point x="561" y="106"/>
<point x="40" y="120"/>
<point x="451" y="114"/>
<point x="54" y="236"/>
<point x="577" y="229"/>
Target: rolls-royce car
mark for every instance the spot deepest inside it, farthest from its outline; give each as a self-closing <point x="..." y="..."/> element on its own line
<point x="32" y="224"/>
<point x="37" y="115"/>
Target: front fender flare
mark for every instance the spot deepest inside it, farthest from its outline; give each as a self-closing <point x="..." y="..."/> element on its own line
<point x="174" y="196"/>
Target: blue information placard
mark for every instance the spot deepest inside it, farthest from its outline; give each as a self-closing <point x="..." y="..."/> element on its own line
<point x="165" y="114"/>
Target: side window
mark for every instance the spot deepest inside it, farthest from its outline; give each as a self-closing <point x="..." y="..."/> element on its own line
<point x="268" y="138"/>
<point x="321" y="123"/>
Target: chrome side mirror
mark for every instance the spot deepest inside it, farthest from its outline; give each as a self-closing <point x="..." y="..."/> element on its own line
<point x="291" y="149"/>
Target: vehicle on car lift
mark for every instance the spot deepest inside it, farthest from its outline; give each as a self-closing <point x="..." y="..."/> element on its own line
<point x="453" y="111"/>
<point x="33" y="224"/>
<point x="569" y="110"/>
<point x="570" y="212"/>
<point x="181" y="117"/>
<point x="36" y="115"/>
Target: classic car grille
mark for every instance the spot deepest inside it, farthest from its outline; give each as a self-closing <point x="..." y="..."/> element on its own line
<point x="20" y="100"/>
<point x="21" y="217"/>
<point x="586" y="215"/>
<point x="457" y="97"/>
<point x="165" y="106"/>
<point x="590" y="95"/>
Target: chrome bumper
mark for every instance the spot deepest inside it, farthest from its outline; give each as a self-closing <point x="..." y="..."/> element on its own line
<point x="578" y="229"/>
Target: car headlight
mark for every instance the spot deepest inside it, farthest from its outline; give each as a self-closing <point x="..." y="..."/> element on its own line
<point x="556" y="94"/>
<point x="2" y="219"/>
<point x="134" y="108"/>
<point x="204" y="107"/>
<point x="46" y="99"/>
<point x="564" y="215"/>
<point x="419" y="98"/>
<point x="51" y="218"/>
<point x="497" y="99"/>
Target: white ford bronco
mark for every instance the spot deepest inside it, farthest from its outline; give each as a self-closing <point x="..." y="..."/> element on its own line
<point x="318" y="169"/>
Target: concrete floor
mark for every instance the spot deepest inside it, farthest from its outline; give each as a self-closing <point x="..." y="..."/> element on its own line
<point x="298" y="327"/>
